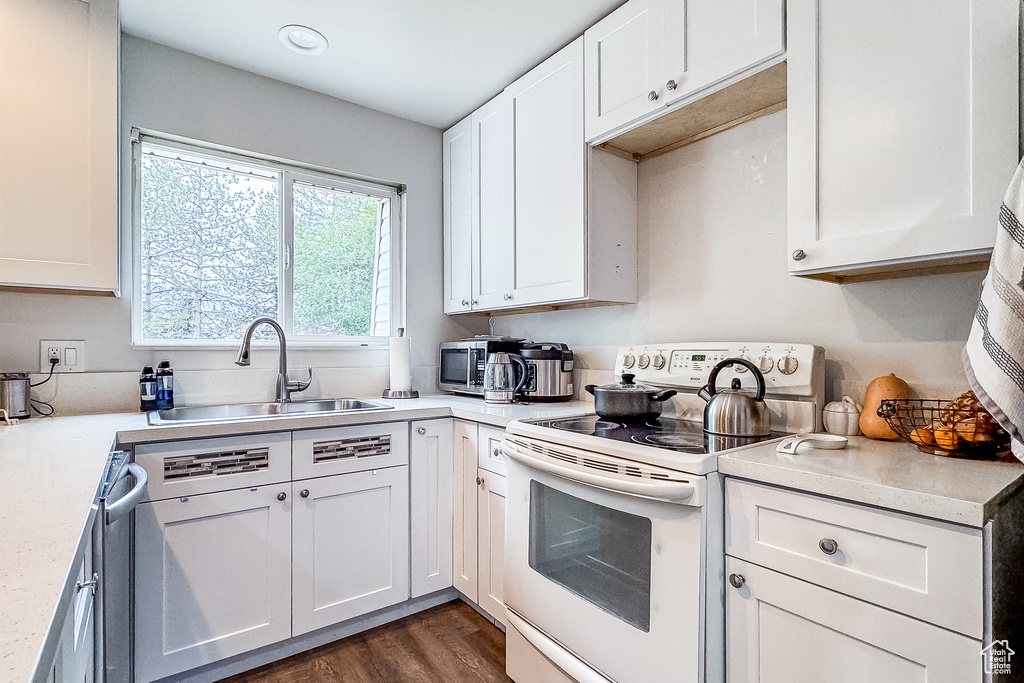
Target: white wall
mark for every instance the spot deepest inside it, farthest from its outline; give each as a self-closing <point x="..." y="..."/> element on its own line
<point x="174" y="92"/>
<point x="712" y="263"/>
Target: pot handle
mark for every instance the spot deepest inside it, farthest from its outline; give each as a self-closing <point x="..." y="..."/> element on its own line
<point x="729" y="362"/>
<point x="590" y="389"/>
<point x="664" y="395"/>
<point x="524" y="371"/>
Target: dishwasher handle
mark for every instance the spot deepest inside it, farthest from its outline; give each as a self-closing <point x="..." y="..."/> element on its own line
<point x="128" y="501"/>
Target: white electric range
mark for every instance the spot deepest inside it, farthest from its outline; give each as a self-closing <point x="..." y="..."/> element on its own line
<point x="614" y="531"/>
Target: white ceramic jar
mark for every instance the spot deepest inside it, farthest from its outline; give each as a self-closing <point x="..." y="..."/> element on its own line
<point x="842" y="417"/>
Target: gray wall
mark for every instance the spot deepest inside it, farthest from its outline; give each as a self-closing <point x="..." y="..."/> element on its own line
<point x="712" y="264"/>
<point x="173" y="92"/>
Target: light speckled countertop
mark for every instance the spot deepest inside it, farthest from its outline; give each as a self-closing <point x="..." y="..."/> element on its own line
<point x="885" y="474"/>
<point x="50" y="470"/>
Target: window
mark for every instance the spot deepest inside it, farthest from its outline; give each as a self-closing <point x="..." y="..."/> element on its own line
<point x="223" y="238"/>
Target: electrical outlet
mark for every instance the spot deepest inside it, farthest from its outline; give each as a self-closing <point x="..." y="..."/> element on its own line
<point x="70" y="355"/>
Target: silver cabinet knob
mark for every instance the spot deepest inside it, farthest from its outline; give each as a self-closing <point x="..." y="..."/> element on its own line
<point x="282" y="495"/>
<point x="421" y="431"/>
<point x="497" y="453"/>
<point x="304" y="493"/>
<point x="653" y="95"/>
<point x="474" y="302"/>
<point x="671" y="85"/>
<point x="799" y="255"/>
<point x="828" y="546"/>
<point x="479" y="481"/>
<point x="465" y="302"/>
<point x="508" y="297"/>
<point x="737" y="580"/>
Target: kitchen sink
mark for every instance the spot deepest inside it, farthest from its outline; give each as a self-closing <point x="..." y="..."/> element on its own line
<point x="236" y="412"/>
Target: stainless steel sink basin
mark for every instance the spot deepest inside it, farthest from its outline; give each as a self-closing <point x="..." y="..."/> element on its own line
<point x="236" y="412"/>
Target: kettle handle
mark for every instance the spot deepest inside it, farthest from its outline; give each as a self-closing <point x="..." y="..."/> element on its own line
<point x="729" y="362"/>
<point x="524" y="371"/>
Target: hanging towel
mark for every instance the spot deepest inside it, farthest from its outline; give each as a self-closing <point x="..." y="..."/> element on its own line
<point x="994" y="355"/>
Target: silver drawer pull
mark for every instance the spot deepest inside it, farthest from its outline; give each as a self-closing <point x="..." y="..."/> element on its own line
<point x="737" y="580"/>
<point x="81" y="585"/>
<point x="828" y="546"/>
<point x="282" y="496"/>
<point x="421" y="431"/>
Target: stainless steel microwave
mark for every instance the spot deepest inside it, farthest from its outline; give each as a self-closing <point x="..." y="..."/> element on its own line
<point x="460" y="365"/>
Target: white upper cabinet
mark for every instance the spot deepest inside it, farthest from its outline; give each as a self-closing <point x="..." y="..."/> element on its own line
<point x="58" y="144"/>
<point x="458" y="217"/>
<point x="493" y="203"/>
<point x="550" y="179"/>
<point x="651" y="54"/>
<point x="903" y="132"/>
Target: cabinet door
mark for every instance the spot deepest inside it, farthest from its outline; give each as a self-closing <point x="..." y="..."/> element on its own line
<point x="430" y="500"/>
<point x="491" y="526"/>
<point x="901" y="141"/>
<point x="550" y="165"/>
<point x="77" y="640"/>
<point x="350" y="546"/>
<point x="781" y="630"/>
<point x="708" y="41"/>
<point x="458" y="216"/>
<point x="624" y="64"/>
<point x="493" y="196"/>
<point x="464" y="516"/>
<point x="212" y="578"/>
<point x="58" y="144"/>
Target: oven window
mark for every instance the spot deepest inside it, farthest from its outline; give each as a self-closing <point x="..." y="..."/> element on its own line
<point x="454" y="366"/>
<point x="600" y="554"/>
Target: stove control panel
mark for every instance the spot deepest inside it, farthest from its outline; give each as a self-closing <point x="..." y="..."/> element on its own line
<point x="788" y="369"/>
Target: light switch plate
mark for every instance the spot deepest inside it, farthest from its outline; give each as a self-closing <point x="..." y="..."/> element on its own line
<point x="71" y="353"/>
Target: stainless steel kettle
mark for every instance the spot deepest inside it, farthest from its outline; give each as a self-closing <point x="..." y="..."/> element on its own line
<point x="504" y="375"/>
<point x="734" y="412"/>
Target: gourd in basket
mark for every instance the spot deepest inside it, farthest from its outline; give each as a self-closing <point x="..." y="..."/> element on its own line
<point x="888" y="387"/>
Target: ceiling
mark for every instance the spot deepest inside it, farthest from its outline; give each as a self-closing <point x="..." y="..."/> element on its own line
<point x="431" y="61"/>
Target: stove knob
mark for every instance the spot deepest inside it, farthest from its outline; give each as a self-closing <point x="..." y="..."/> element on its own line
<point x="788" y="365"/>
<point x="741" y="368"/>
<point x="644" y="361"/>
<point x="628" y="360"/>
<point x="659" y="362"/>
<point x="765" y="364"/>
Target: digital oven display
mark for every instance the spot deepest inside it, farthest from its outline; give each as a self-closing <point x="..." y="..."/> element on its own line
<point x="698" y="356"/>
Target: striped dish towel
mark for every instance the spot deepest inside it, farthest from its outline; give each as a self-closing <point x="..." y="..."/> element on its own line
<point x="994" y="354"/>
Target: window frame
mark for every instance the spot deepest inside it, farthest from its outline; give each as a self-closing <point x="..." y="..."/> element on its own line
<point x="289" y="172"/>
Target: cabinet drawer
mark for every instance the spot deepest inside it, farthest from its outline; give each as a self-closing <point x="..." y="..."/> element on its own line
<point x="340" y="450"/>
<point x="924" y="568"/>
<point x="490" y="456"/>
<point x="186" y="468"/>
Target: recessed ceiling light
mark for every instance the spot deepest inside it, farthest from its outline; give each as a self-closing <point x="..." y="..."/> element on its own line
<point x="302" y="39"/>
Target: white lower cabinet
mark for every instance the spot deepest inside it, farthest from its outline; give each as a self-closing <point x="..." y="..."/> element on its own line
<point x="479" y="517"/>
<point x="350" y="546"/>
<point x="782" y="630"/>
<point x="213" y="576"/>
<point x="74" y="660"/>
<point x="430" y="503"/>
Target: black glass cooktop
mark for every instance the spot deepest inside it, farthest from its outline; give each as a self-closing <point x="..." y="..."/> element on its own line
<point x="672" y="434"/>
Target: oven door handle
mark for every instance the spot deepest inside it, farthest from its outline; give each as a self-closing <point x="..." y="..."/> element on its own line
<point x="553" y="652"/>
<point x="670" y="491"/>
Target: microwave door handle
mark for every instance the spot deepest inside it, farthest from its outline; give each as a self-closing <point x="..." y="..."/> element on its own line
<point x="128" y="501"/>
<point x="671" y="491"/>
<point x="554" y="652"/>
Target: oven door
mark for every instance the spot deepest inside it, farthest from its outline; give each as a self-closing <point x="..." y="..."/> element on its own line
<point x="602" y="569"/>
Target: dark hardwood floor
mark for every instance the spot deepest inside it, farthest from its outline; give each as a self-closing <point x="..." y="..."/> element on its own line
<point x="450" y="643"/>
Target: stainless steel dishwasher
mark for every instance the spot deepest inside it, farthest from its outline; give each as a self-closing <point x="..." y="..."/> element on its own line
<point x="124" y="484"/>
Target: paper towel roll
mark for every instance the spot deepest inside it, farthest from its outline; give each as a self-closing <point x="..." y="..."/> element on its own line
<point x="401" y="374"/>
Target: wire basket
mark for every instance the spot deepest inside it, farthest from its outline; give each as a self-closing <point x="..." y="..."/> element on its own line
<point x="955" y="428"/>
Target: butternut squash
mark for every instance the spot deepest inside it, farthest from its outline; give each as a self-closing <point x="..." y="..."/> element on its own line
<point x="890" y="386"/>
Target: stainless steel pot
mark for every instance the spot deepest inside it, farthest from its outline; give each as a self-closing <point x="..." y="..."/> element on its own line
<point x="734" y="412"/>
<point x="628" y="401"/>
<point x="14" y="394"/>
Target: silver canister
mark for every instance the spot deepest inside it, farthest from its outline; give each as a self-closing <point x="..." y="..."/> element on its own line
<point x="14" y="394"/>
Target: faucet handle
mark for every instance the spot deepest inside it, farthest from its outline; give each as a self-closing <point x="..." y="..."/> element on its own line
<point x="301" y="385"/>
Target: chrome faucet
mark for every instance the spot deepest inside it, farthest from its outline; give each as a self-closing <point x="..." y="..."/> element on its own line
<point x="284" y="386"/>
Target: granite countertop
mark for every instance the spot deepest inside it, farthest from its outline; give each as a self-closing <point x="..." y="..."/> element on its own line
<point x="893" y="475"/>
<point x="50" y="470"/>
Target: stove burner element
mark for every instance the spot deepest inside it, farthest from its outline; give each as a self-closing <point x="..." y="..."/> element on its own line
<point x="585" y="425"/>
<point x="687" y="443"/>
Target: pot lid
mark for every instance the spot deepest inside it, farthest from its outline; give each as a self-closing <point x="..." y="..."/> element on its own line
<point x="626" y="385"/>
